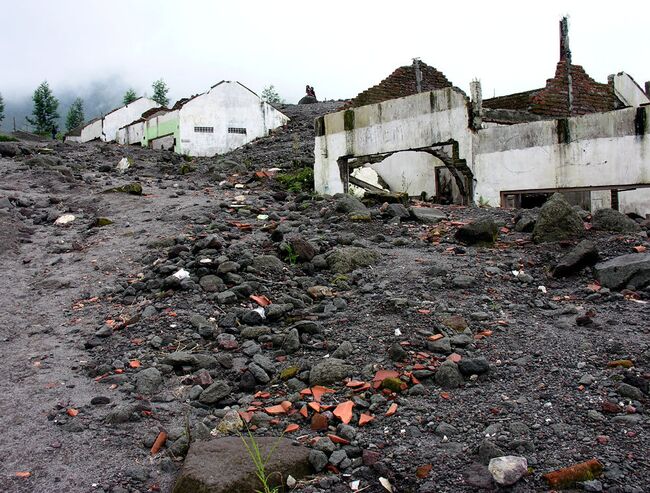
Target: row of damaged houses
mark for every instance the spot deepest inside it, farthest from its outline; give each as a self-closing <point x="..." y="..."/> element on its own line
<point x="417" y="133"/>
<point x="225" y="117"/>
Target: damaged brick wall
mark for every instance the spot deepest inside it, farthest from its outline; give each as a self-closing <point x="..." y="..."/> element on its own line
<point x="402" y="82"/>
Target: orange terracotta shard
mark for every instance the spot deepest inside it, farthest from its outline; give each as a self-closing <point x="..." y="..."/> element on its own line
<point x="365" y="419"/>
<point x="338" y="439"/>
<point x="392" y="409"/>
<point x="72" y="412"/>
<point x="318" y="391"/>
<point x="344" y="411"/>
<point x="423" y="471"/>
<point x="260" y="299"/>
<point x="160" y="441"/>
<point x="435" y="337"/>
<point x="291" y="428"/>
<point x="319" y="422"/>
<point x="23" y="474"/>
<point x="304" y="412"/>
<point x="134" y="364"/>
<point x="569" y="476"/>
<point x="455" y="357"/>
<point x="281" y="408"/>
<point x="315" y="406"/>
<point x="382" y="375"/>
<point x="355" y="383"/>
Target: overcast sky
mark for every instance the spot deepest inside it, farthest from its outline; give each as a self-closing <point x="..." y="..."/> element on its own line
<point x="339" y="47"/>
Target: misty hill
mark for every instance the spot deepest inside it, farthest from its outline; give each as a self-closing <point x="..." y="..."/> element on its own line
<point x="100" y="97"/>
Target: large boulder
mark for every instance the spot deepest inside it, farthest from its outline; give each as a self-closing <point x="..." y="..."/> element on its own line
<point x="557" y="221"/>
<point x="347" y="203"/>
<point x="611" y="220"/>
<point x="329" y="370"/>
<point x="224" y="465"/>
<point x="627" y="270"/>
<point x="483" y="231"/>
<point x="428" y="215"/>
<point x="584" y="254"/>
<point x="344" y="260"/>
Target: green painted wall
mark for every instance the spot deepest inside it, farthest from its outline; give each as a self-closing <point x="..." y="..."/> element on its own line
<point x="153" y="130"/>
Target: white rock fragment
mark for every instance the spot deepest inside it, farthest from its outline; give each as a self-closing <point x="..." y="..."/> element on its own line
<point x="181" y="274"/>
<point x="123" y="165"/>
<point x="509" y="469"/>
<point x="65" y="219"/>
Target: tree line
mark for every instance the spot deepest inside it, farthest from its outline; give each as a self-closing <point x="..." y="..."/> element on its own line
<point x="45" y="112"/>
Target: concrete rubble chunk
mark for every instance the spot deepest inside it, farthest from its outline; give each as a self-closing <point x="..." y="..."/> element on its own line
<point x="627" y="270"/>
<point x="344" y="260"/>
<point x="483" y="231"/>
<point x="223" y="465"/>
<point x="584" y="254"/>
<point x="428" y="215"/>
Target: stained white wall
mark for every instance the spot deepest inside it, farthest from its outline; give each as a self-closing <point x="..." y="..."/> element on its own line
<point x="604" y="150"/>
<point x="131" y="134"/>
<point x="410" y="172"/>
<point x="228" y="104"/>
<point x="628" y="91"/>
<point x="400" y="124"/>
<point x="90" y="132"/>
<point x="124" y="116"/>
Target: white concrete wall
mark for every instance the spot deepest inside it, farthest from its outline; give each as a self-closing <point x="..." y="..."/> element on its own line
<point x="228" y="104"/>
<point x="131" y="134"/>
<point x="628" y="91"/>
<point x="397" y="125"/>
<point x="410" y="172"/>
<point x="637" y="201"/>
<point x="123" y="116"/>
<point x="90" y="132"/>
<point x="603" y="151"/>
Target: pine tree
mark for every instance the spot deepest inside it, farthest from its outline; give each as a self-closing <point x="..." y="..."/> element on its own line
<point x="2" y="108"/>
<point x="75" y="114"/>
<point x="45" y="110"/>
<point x="160" y="91"/>
<point x="129" y="97"/>
<point x="271" y="96"/>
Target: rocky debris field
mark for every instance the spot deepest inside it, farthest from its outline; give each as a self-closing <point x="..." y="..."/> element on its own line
<point x="152" y="315"/>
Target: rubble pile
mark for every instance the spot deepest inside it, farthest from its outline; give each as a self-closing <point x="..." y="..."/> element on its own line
<point x="393" y="347"/>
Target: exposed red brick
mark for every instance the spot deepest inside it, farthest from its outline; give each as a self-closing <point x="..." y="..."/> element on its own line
<point x="399" y="84"/>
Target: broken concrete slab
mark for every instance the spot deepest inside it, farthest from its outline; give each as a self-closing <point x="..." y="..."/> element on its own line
<point x="584" y="254"/>
<point x="627" y="270"/>
<point x="428" y="215"/>
<point x="223" y="465"/>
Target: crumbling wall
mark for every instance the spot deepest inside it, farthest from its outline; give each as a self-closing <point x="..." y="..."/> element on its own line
<point x="597" y="150"/>
<point x="228" y="105"/>
<point x="125" y="115"/>
<point x="130" y="134"/>
<point x="627" y="90"/>
<point x="402" y="124"/>
<point x="161" y="125"/>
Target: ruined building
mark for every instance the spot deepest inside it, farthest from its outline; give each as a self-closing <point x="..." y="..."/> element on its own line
<point x="416" y="132"/>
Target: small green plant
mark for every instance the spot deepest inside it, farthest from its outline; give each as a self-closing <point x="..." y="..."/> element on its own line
<point x="260" y="461"/>
<point x="290" y="254"/>
<point x="483" y="202"/>
<point x="7" y="138"/>
<point x="300" y="180"/>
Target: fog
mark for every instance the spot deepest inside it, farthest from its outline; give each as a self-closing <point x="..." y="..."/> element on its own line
<point x="96" y="50"/>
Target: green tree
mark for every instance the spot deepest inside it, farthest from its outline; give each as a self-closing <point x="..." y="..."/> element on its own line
<point x="75" y="114"/>
<point x="2" y="108"/>
<point x="271" y="96"/>
<point x="129" y="96"/>
<point x="160" y="91"/>
<point x="45" y="109"/>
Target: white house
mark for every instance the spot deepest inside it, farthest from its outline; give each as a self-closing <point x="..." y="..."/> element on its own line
<point x="124" y="115"/>
<point x="87" y="132"/>
<point x="224" y="118"/>
<point x="108" y="127"/>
